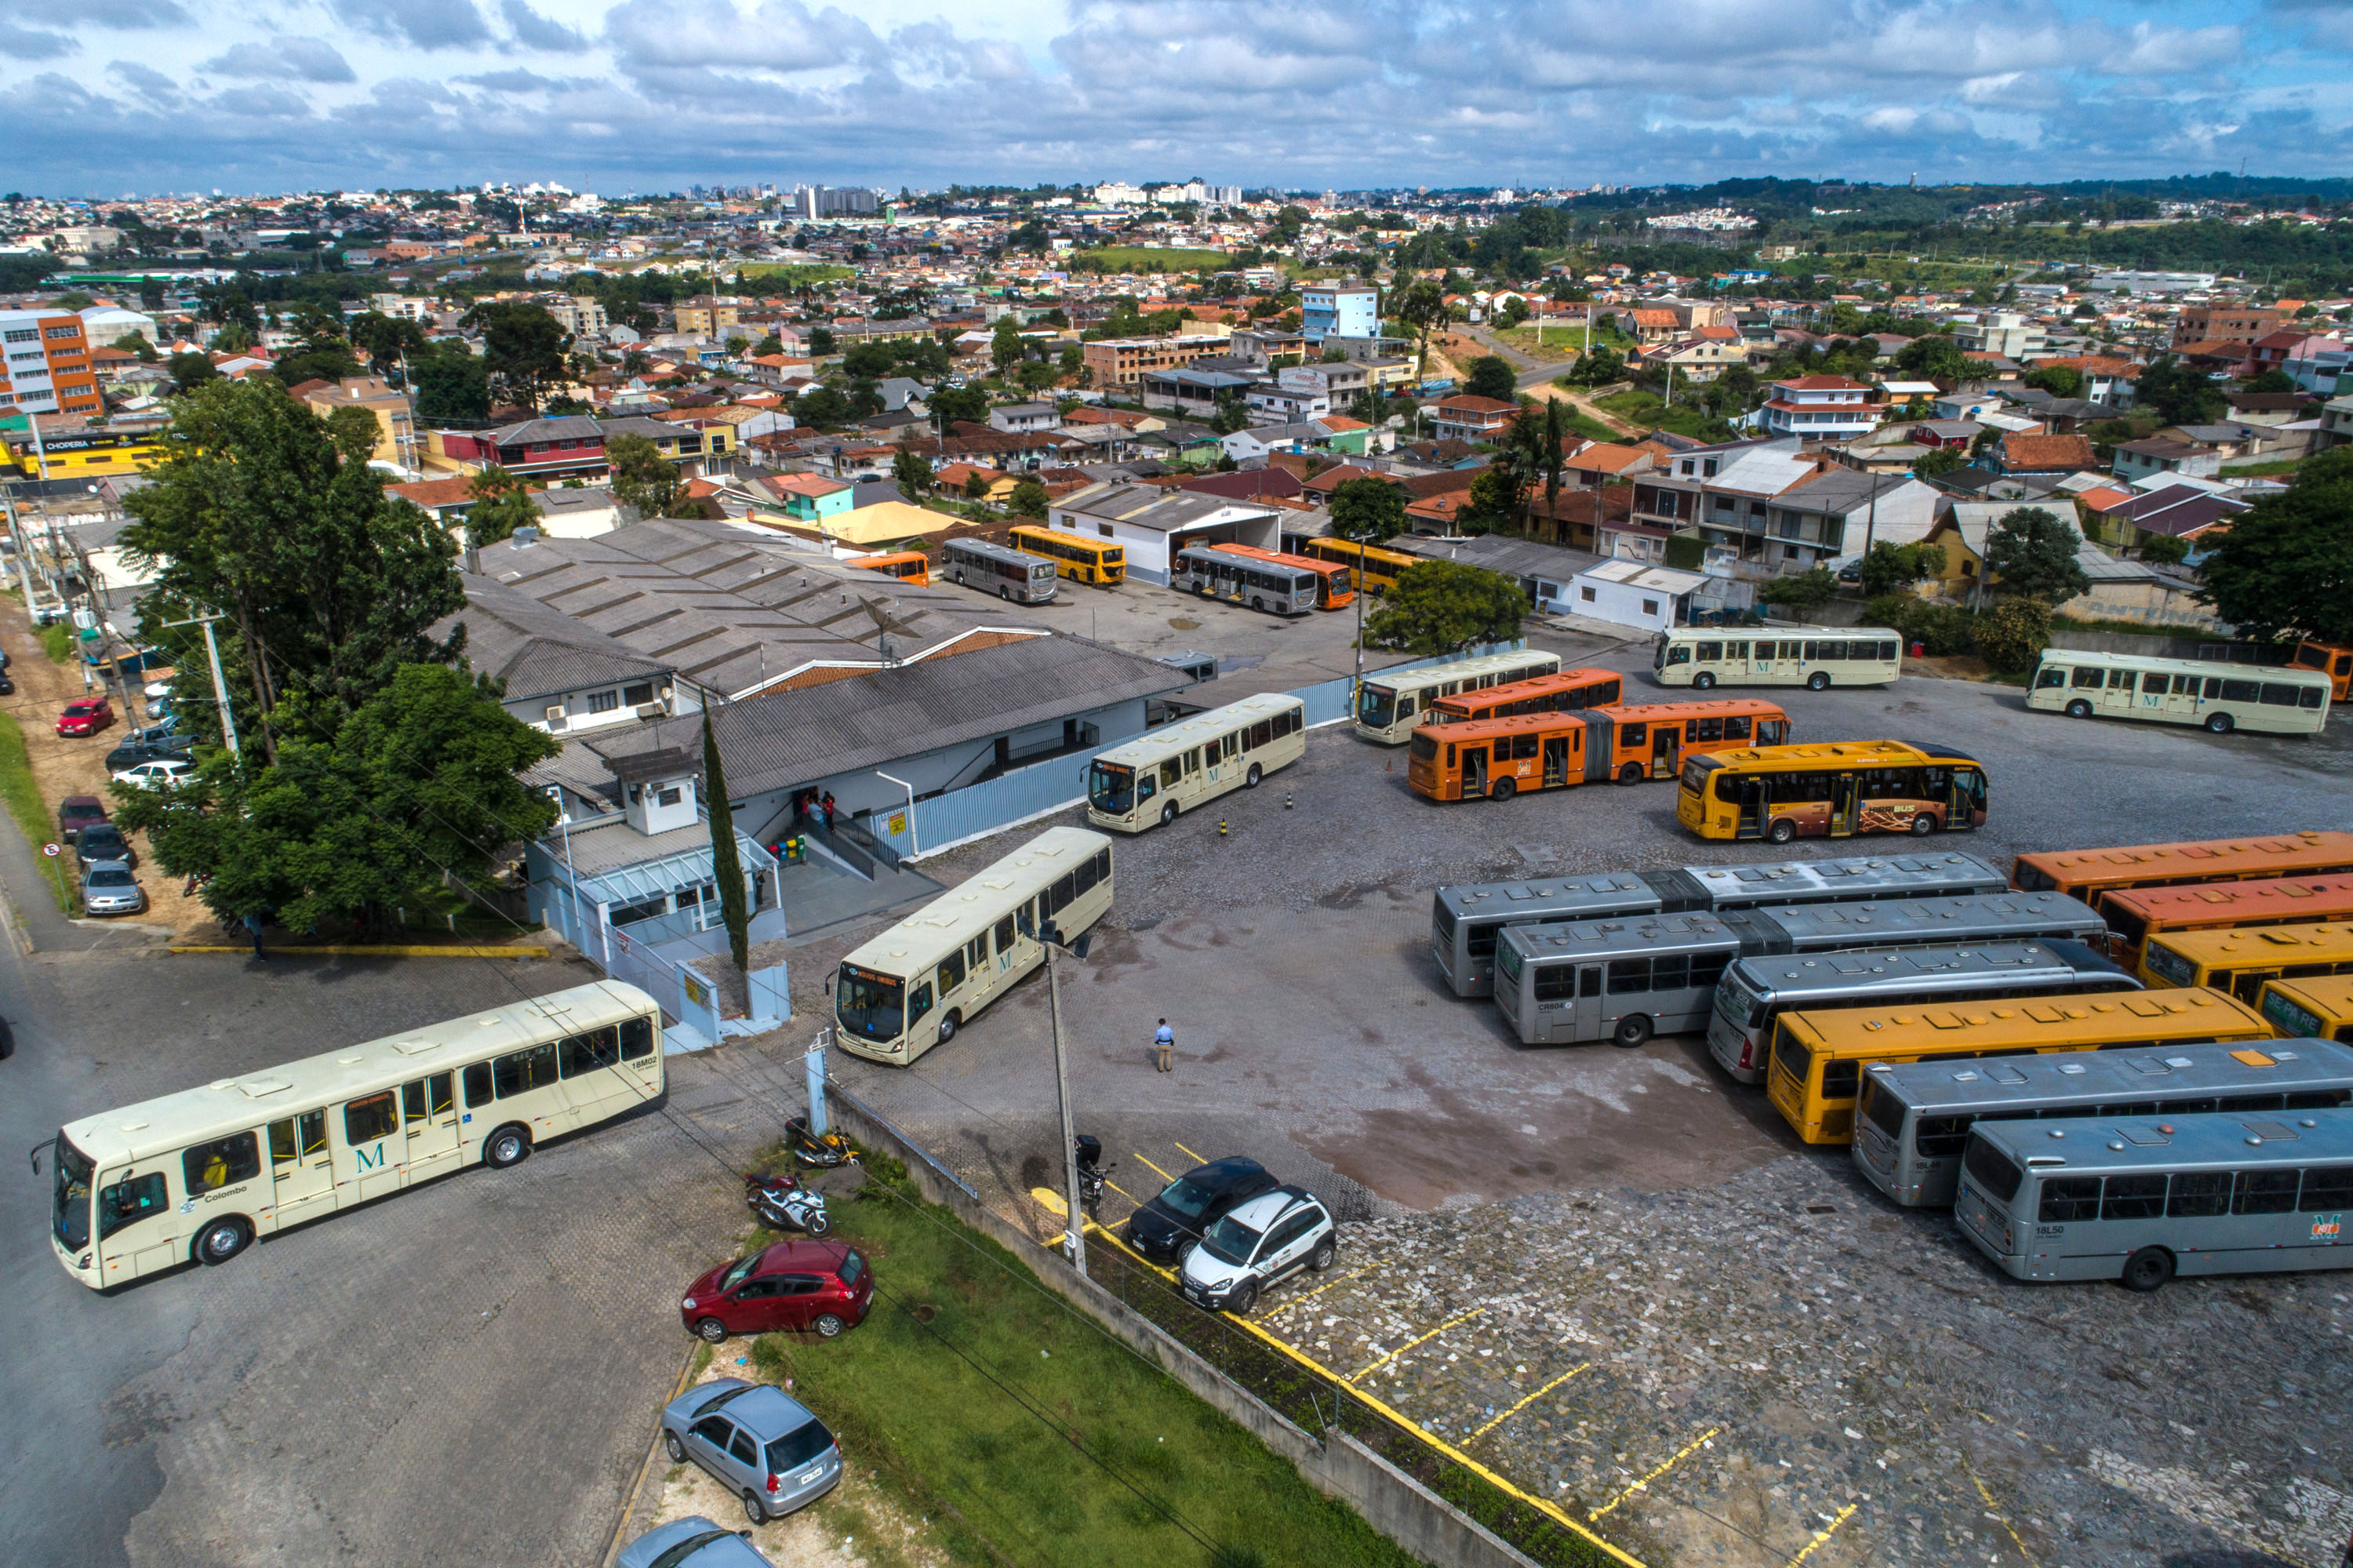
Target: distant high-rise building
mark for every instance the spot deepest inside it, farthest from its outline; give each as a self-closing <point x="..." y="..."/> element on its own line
<point x="832" y="201"/>
<point x="47" y="369"/>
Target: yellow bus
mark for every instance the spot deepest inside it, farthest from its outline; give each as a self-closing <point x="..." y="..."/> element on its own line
<point x="2316" y="1009"/>
<point x="1830" y="790"/>
<point x="1077" y="558"/>
<point x="198" y="1176"/>
<point x="2241" y="961"/>
<point x="1377" y="570"/>
<point x="1818" y="1058"/>
<point x="2137" y="914"/>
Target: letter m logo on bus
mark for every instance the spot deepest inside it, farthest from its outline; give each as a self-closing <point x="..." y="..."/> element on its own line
<point x="2328" y="1227"/>
<point x="371" y="1161"/>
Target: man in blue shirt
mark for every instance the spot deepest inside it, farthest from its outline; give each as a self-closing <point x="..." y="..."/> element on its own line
<point x="1165" y="1038"/>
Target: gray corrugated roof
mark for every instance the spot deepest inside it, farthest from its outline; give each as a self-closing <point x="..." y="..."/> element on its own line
<point x="536" y="651"/>
<point x="785" y="739"/>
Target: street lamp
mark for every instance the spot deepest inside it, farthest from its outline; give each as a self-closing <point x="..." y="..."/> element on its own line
<point x="1075" y="1238"/>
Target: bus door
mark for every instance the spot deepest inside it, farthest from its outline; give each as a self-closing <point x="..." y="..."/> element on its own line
<point x="1846" y="791"/>
<point x="2181" y="701"/>
<point x="1475" y="771"/>
<point x="1772" y="731"/>
<point x="1752" y="806"/>
<point x="1666" y="750"/>
<point x="1768" y="659"/>
<point x="301" y="1170"/>
<point x="2119" y="696"/>
<point x="1587" y="1007"/>
<point x="1555" y="760"/>
<point x="428" y="1115"/>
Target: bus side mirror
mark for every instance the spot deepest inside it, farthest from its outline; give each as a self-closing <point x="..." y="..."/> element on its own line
<point x="1079" y="948"/>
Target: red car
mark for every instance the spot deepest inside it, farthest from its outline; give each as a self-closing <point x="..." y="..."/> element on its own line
<point x="87" y="717"/>
<point x="823" y="1285"/>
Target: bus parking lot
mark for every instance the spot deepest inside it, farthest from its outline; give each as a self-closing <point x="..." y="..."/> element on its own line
<point x="1615" y="1277"/>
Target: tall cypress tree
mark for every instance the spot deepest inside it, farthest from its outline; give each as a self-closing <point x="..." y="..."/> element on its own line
<point x="725" y="864"/>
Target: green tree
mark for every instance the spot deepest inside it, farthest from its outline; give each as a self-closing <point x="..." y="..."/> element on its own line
<point x="1597" y="368"/>
<point x="1004" y="346"/>
<point x="273" y="517"/>
<point x="1498" y="495"/>
<point x="2012" y="635"/>
<point x="2030" y="554"/>
<point x="1036" y="375"/>
<point x="2164" y="549"/>
<point x="1804" y="593"/>
<point x="960" y="405"/>
<point x="1073" y="359"/>
<point x="820" y="341"/>
<point x="913" y="473"/>
<point x="641" y="476"/>
<point x="522" y="348"/>
<point x="451" y="386"/>
<point x="1440" y="607"/>
<point x="1938" y="459"/>
<point x="1932" y="356"/>
<point x="136" y="345"/>
<point x="2273" y="380"/>
<point x="1890" y="568"/>
<point x="383" y="339"/>
<point x="1030" y="500"/>
<point x="726" y="866"/>
<point x="1421" y="307"/>
<point x="2059" y="380"/>
<point x="419" y="779"/>
<point x="2286" y="568"/>
<point x="1514" y="312"/>
<point x="1368" y="510"/>
<point x="823" y="409"/>
<point x="192" y="370"/>
<point x="1491" y="376"/>
<point x="2179" y="393"/>
<point x="975" y="486"/>
<point x="502" y="503"/>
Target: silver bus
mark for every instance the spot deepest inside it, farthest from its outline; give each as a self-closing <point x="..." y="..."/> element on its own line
<point x="2140" y="1200"/>
<point x="1015" y="575"/>
<point x="1464" y="918"/>
<point x="1757" y="991"/>
<point x="1262" y="584"/>
<point x="1620" y="981"/>
<point x="1917" y="922"/>
<point x="1914" y="1117"/>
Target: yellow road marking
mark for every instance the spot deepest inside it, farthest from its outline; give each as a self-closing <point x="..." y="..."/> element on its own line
<point x="1526" y="1403"/>
<point x="1121" y="1191"/>
<point x="1406" y="1423"/>
<point x="1317" y="1291"/>
<point x="1644" y="1484"/>
<point x="1163" y="1175"/>
<point x="1189" y="1154"/>
<point x="1411" y="1343"/>
<point x="1822" y="1534"/>
<point x="1998" y="1515"/>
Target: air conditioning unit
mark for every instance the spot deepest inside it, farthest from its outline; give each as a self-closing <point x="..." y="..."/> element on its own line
<point x="555" y="715"/>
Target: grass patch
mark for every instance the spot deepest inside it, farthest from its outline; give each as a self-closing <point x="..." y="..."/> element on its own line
<point x="1147" y="258"/>
<point x="1637" y="406"/>
<point x="925" y="1391"/>
<point x="2260" y="470"/>
<point x="797" y="274"/>
<point x="57" y="642"/>
<point x="1560" y="343"/>
<point x="24" y="802"/>
<point x="1585" y="425"/>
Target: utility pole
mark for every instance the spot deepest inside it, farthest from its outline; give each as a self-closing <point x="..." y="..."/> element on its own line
<point x="220" y="686"/>
<point x="1076" y="1236"/>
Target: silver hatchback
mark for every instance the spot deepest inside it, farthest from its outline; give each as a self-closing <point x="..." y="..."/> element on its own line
<point x="109" y="888"/>
<point x="764" y="1445"/>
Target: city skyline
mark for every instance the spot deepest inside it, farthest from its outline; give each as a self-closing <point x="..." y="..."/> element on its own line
<point x="112" y="96"/>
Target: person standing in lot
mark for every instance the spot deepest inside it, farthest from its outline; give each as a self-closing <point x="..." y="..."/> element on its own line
<point x="1164" y="1038"/>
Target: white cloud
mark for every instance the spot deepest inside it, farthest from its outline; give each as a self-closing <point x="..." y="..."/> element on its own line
<point x="305" y="60"/>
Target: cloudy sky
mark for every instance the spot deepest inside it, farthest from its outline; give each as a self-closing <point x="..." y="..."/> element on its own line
<point x="111" y="97"/>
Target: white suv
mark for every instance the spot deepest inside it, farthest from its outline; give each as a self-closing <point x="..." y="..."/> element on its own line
<point x="1274" y="1234"/>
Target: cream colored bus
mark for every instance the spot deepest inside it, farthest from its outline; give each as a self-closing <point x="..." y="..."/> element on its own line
<point x="2222" y="697"/>
<point x="200" y="1175"/>
<point x="1814" y="657"/>
<point x="1179" y="766"/>
<point x="1390" y="704"/>
<point x="912" y="987"/>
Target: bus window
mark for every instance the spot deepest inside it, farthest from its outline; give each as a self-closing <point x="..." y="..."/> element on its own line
<point x="2050" y="676"/>
<point x="1678" y="654"/>
<point x="2265" y="1192"/>
<point x="210" y="1167"/>
<point x="367" y="1119"/>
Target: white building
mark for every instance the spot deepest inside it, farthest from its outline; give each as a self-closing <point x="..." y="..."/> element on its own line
<point x="1118" y="193"/>
<point x="1821" y="409"/>
<point x="1633" y="593"/>
<point x="403" y="307"/>
<point x="1155" y="525"/>
<point x="2005" y="333"/>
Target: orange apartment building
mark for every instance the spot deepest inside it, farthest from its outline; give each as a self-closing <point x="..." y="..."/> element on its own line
<point x="47" y="369"/>
<point x="1122" y="362"/>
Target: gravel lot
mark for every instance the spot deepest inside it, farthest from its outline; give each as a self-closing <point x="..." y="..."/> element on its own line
<point x="1789" y="1364"/>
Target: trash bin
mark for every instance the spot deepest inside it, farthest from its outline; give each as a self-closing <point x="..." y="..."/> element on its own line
<point x="1919" y="649"/>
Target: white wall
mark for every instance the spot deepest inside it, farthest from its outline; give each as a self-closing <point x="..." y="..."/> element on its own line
<point x="1624" y="605"/>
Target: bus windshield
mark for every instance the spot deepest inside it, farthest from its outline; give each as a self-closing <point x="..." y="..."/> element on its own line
<point x="1424" y="746"/>
<point x="1111" y="789"/>
<point x="869" y="1004"/>
<point x="69" y="1205"/>
<point x="2300" y="1022"/>
<point x="1992" y="1169"/>
<point x="1376" y="705"/>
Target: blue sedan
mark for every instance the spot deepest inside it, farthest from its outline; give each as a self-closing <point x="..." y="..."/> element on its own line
<point x="758" y="1441"/>
<point x="694" y="1542"/>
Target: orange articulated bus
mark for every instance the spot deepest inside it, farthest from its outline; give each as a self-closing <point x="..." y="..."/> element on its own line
<point x="2089" y="873"/>
<point x="1334" y="583"/>
<point x="1561" y="691"/>
<point x="1496" y="759"/>
<point x="2136" y="915"/>
<point x="907" y="566"/>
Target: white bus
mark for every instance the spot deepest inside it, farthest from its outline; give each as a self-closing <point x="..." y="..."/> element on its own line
<point x="913" y="986"/>
<point x="1391" y="705"/>
<point x="1814" y="657"/>
<point x="200" y="1175"/>
<point x="1015" y="575"/>
<point x="1178" y="766"/>
<point x="2222" y="697"/>
<point x="1262" y="584"/>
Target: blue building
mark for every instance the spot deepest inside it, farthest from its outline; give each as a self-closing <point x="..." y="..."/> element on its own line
<point x="1338" y="310"/>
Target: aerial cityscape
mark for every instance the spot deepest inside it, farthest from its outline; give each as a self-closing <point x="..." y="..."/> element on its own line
<point x="1111" y="784"/>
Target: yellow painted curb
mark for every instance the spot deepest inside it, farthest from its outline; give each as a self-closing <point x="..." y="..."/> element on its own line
<point x="378" y="952"/>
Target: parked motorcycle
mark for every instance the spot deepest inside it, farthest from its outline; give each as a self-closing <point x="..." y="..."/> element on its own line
<point x="1092" y="1174"/>
<point x="782" y="1203"/>
<point x="822" y="1152"/>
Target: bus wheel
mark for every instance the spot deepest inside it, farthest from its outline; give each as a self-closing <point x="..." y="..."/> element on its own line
<point x="2147" y="1269"/>
<point x="1503" y="789"/>
<point x="2079" y="708"/>
<point x="1631" y="774"/>
<point x="948" y="1027"/>
<point x="1257" y="604"/>
<point x="1923" y="825"/>
<point x="1004" y="593"/>
<point x="2220" y="723"/>
<point x="1783" y="830"/>
<point x="1819" y="681"/>
<point x="508" y="1145"/>
<point x="1167" y="813"/>
<point x="1632" y="1032"/>
<point x="222" y="1240"/>
<point x="1703" y="681"/>
<point x="1250" y="779"/>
